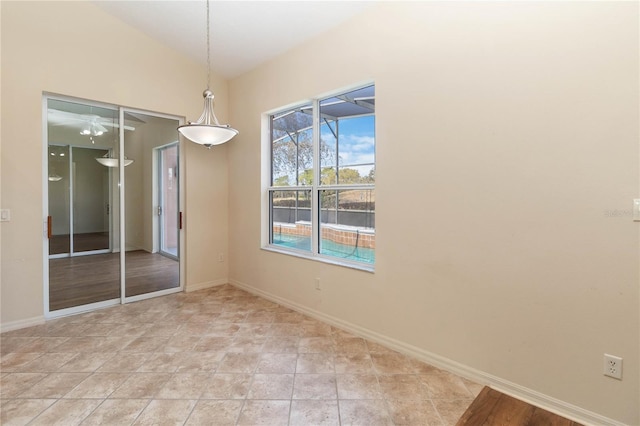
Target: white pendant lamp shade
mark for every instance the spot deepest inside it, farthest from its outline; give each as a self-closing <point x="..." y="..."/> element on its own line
<point x="206" y="130"/>
<point x="112" y="162"/>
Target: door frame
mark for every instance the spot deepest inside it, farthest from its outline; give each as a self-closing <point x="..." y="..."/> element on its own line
<point x="46" y="96"/>
<point x="158" y="199"/>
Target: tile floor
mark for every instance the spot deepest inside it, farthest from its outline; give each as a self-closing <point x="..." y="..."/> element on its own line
<point x="218" y="356"/>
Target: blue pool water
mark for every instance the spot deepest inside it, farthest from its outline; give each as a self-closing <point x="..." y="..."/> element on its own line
<point x="327" y="247"/>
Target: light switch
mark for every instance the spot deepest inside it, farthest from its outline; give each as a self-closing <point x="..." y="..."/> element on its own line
<point x="636" y="210"/>
<point x="5" y="215"/>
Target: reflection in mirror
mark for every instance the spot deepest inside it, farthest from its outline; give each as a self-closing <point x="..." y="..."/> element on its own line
<point x="83" y="207"/>
<point x="151" y="205"/>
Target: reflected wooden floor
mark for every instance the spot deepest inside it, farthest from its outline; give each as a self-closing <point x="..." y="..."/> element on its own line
<point x="76" y="281"/>
<point x="81" y="242"/>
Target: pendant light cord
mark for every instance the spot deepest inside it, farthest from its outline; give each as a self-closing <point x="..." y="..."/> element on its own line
<point x="208" y="51"/>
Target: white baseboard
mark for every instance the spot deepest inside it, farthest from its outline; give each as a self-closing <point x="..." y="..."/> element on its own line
<point x="533" y="397"/>
<point x="15" y="325"/>
<point x="207" y="284"/>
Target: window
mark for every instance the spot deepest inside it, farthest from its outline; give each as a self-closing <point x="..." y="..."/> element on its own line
<point x="322" y="185"/>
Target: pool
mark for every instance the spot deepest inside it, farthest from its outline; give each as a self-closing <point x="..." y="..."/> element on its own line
<point x="327" y="247"/>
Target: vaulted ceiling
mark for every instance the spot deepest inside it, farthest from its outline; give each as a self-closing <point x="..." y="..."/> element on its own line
<point x="244" y="34"/>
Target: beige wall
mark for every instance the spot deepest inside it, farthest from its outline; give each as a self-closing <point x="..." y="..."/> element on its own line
<point x="507" y="133"/>
<point x="75" y="49"/>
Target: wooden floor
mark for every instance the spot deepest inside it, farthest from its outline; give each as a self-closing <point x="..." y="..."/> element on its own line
<point x="81" y="242"/>
<point x="75" y="281"/>
<point x="492" y="408"/>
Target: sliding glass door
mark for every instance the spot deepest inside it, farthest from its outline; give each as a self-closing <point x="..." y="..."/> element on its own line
<point x="151" y="194"/>
<point x="113" y="205"/>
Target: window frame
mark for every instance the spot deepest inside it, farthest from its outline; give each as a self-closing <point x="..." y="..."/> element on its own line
<point x="316" y="187"/>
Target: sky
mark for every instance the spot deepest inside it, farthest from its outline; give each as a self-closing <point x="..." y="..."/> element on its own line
<point x="357" y="142"/>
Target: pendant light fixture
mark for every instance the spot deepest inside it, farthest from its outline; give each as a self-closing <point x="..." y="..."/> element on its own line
<point x="108" y="161"/>
<point x="207" y="130"/>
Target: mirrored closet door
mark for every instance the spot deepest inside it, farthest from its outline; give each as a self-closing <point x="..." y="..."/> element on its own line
<point x="112" y="176"/>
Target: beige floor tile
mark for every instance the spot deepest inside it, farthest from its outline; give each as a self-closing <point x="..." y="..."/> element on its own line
<point x="239" y="363"/>
<point x="378" y="348"/>
<point x="230" y="317"/>
<point x="413" y="412"/>
<point x="66" y="412"/>
<point x="184" y="386"/>
<point x="195" y="329"/>
<point x="281" y="344"/>
<point x="13" y="361"/>
<point x="351" y="345"/>
<point x="124" y="362"/>
<point x="163" y="329"/>
<point x="55" y="385"/>
<point x="358" y="386"/>
<point x="390" y="363"/>
<point x="86" y="362"/>
<point x="315" y="386"/>
<point x="216" y="356"/>
<point x="48" y="363"/>
<point x="141" y="385"/>
<point x="17" y="412"/>
<point x="444" y="385"/>
<point x="364" y="412"/>
<point x="271" y="386"/>
<point x="255" y="330"/>
<point x="354" y="363"/>
<point x="198" y="362"/>
<point x="116" y="412"/>
<point x="450" y="410"/>
<point x="285" y="329"/>
<point x="315" y="329"/>
<point x="145" y="344"/>
<point x="247" y="344"/>
<point x="222" y="330"/>
<point x="316" y="345"/>
<point x="227" y="386"/>
<point x="473" y="387"/>
<point x="43" y="344"/>
<point x="80" y="344"/>
<point x="402" y="387"/>
<point x="180" y="343"/>
<point x="102" y="329"/>
<point x="315" y="363"/>
<point x="98" y="385"/>
<point x="162" y="412"/>
<point x="265" y="412"/>
<point x="14" y="384"/>
<point x="160" y="362"/>
<point x="277" y="363"/>
<point x="215" y="412"/>
<point x="213" y="344"/>
<point x="313" y="412"/>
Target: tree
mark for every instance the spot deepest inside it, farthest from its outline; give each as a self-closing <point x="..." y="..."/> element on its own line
<point x="292" y="148"/>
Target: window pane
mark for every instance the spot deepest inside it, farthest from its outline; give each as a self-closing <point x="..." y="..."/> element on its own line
<point x="292" y="147"/>
<point x="291" y="219"/>
<point x="347" y="224"/>
<point x="347" y="151"/>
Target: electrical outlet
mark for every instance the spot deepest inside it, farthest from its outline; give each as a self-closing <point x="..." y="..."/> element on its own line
<point x="613" y="366"/>
<point x="318" y="284"/>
